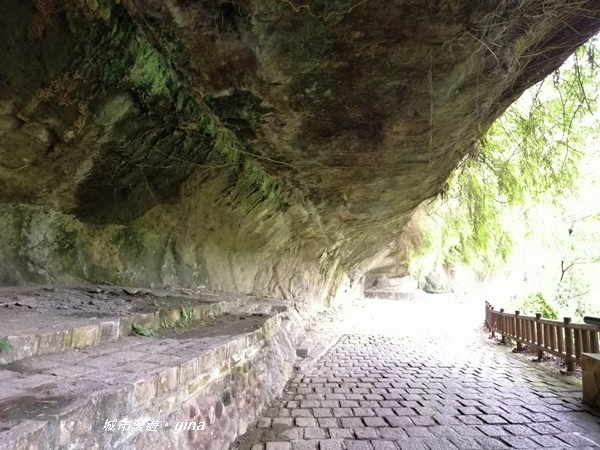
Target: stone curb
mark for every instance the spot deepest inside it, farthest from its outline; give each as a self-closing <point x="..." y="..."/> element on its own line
<point x="105" y="331"/>
<point x="313" y="347"/>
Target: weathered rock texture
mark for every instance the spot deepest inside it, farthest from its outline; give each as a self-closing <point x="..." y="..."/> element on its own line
<point x="267" y="147"/>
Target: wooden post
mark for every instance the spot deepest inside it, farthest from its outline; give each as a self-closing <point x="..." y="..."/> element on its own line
<point x="518" y="331"/>
<point x="577" y="336"/>
<point x="486" y="321"/>
<point x="502" y="330"/>
<point x="569" y="344"/>
<point x="539" y="336"/>
<point x="595" y="346"/>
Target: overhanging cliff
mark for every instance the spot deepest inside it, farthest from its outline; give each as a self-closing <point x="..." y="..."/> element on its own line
<point x="268" y="147"/>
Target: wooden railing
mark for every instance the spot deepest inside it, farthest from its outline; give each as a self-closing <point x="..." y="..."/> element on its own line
<point x="564" y="339"/>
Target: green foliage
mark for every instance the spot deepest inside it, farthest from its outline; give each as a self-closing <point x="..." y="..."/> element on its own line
<point x="5" y="345"/>
<point x="531" y="154"/>
<point x="141" y="330"/>
<point x="187" y="315"/>
<point x="537" y="303"/>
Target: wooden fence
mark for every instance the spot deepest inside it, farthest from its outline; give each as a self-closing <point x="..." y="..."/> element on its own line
<point x="561" y="338"/>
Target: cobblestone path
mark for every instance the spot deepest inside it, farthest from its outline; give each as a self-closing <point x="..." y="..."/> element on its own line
<point x="405" y="376"/>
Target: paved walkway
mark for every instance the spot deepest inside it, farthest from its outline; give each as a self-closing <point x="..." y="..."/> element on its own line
<point x="420" y="375"/>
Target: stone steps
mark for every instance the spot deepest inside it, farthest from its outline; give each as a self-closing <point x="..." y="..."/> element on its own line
<point x="221" y="370"/>
<point x="40" y="335"/>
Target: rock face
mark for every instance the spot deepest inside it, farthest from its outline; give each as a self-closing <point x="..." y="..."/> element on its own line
<point x="267" y="147"/>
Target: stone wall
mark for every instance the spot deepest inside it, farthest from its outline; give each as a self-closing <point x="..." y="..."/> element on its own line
<point x="226" y="387"/>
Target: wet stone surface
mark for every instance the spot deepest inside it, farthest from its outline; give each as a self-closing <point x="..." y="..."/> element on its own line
<point x="392" y="383"/>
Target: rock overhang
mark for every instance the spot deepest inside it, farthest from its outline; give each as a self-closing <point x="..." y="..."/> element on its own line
<point x="242" y="133"/>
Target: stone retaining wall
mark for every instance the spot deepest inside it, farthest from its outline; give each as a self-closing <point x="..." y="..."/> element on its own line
<point x="226" y="387"/>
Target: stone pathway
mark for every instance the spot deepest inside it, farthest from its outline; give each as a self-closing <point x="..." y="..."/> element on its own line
<point x="418" y="376"/>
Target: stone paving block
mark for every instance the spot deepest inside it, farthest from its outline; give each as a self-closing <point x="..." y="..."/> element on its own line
<point x="384" y="412"/>
<point x="566" y="427"/>
<point x="442" y="431"/>
<point x="426" y="411"/>
<point x="279" y="446"/>
<point x="422" y="432"/>
<point x="439" y="444"/>
<point x="342" y="412"/>
<point x="389" y="404"/>
<point x="328" y="422"/>
<point x="331" y="444"/>
<point x="351" y="422"/>
<point x="516" y="418"/>
<point x="548" y="441"/>
<point x="306" y="422"/>
<point x="299" y="412"/>
<point x="369" y="404"/>
<point x="468" y="431"/>
<point x="520" y="442"/>
<point x="315" y="433"/>
<point x="340" y="433"/>
<point x="490" y="443"/>
<point x="357" y="445"/>
<point x="384" y="445"/>
<point x="465" y="443"/>
<point x="412" y="444"/>
<point x="492" y="431"/>
<point x="283" y="422"/>
<point x="374" y="422"/>
<point x="305" y="445"/>
<point x="490" y="410"/>
<point x="447" y="410"/>
<point x="392" y="433"/>
<point x="365" y="433"/>
<point x="466" y="420"/>
<point x="308" y="404"/>
<point x="577" y="440"/>
<point x="322" y="412"/>
<point x="492" y="419"/>
<point x="423" y="420"/>
<point x="363" y="412"/>
<point x="543" y="428"/>
<point x="520" y="430"/>
<point x="540" y="417"/>
<point x="288" y="435"/>
<point x="469" y="410"/>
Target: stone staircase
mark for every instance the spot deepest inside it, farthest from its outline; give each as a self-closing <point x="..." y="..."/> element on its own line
<point x="163" y="370"/>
